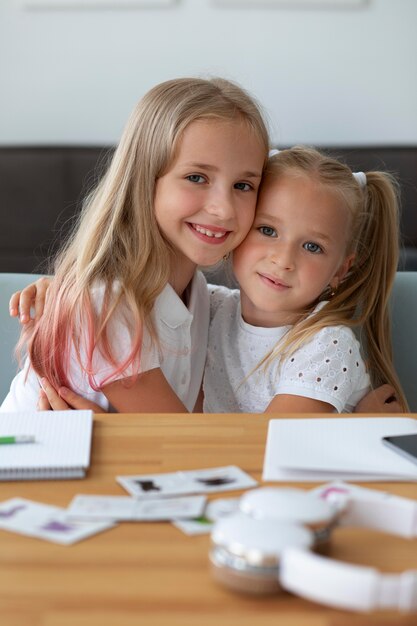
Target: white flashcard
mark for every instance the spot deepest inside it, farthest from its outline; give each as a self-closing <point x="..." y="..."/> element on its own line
<point x="124" y="508"/>
<point x="215" y="509"/>
<point x="221" y="507"/>
<point x="45" y="522"/>
<point x="212" y="480"/>
<point x="199" y="526"/>
<point x="112" y="508"/>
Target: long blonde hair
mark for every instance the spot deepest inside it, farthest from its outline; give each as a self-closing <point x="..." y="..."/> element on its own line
<point x="117" y="237"/>
<point x="362" y="298"/>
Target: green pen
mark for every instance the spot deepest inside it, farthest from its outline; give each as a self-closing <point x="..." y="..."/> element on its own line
<point x="17" y="439"/>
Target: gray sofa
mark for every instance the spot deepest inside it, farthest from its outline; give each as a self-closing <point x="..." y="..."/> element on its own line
<point x="41" y="190"/>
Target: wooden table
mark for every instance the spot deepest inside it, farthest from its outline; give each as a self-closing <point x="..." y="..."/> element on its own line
<point x="151" y="573"/>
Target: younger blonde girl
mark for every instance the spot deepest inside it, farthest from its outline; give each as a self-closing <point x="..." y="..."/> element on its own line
<point x="319" y="261"/>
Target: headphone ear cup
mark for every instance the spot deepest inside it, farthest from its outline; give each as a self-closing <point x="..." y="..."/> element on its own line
<point x="246" y="552"/>
<point x="298" y="506"/>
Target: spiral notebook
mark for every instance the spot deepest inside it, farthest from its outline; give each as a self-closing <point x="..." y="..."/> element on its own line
<point x="61" y="448"/>
<point x="336" y="448"/>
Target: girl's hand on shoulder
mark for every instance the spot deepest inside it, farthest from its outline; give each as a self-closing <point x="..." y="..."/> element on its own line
<point x="379" y="400"/>
<point x="63" y="400"/>
<point x="31" y="297"/>
<point x="43" y="402"/>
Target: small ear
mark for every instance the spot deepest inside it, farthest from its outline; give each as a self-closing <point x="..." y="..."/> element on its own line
<point x="342" y="271"/>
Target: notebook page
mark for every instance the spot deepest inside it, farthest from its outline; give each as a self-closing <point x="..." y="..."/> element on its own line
<point x="336" y="446"/>
<point x="63" y="440"/>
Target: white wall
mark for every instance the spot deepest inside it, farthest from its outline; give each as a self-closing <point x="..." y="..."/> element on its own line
<point x="346" y="76"/>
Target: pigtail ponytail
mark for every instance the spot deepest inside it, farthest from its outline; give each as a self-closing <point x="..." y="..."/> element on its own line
<point x="375" y="269"/>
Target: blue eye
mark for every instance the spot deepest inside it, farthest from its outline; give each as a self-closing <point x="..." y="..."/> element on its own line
<point x="243" y="186"/>
<point x="312" y="247"/>
<point x="268" y="231"/>
<point x="196" y="178"/>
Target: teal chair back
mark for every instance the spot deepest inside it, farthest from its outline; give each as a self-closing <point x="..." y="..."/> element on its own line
<point x="9" y="327"/>
<point x="404" y="333"/>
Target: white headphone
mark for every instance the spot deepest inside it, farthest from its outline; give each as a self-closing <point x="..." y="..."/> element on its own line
<point x="265" y="546"/>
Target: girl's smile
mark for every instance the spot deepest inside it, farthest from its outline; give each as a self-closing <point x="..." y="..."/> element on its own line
<point x="273" y="282"/>
<point x="209" y="233"/>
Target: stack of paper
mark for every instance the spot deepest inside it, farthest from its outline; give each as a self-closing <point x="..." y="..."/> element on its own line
<point x="312" y="450"/>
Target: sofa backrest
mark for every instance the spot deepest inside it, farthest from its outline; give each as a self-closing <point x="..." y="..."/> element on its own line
<point x="41" y="189"/>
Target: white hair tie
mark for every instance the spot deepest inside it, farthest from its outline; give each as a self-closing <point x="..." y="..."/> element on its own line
<point x="273" y="152"/>
<point x="360" y="178"/>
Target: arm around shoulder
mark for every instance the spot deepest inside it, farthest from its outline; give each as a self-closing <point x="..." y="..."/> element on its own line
<point x="379" y="400"/>
<point x="32" y="296"/>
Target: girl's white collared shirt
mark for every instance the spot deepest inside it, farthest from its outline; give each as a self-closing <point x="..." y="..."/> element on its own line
<point x="181" y="354"/>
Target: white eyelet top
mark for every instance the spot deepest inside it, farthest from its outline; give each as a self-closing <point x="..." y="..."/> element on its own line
<point x="329" y="367"/>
